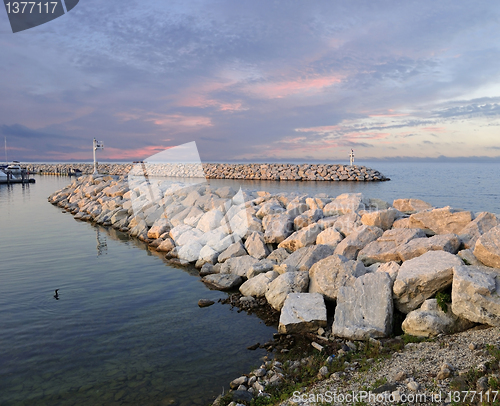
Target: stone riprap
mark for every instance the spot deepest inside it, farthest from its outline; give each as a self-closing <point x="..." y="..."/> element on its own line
<point x="365" y="254"/>
<point x="291" y="172"/>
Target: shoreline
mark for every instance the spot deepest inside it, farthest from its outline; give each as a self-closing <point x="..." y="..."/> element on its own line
<point x="378" y="267"/>
<point x="284" y="172"/>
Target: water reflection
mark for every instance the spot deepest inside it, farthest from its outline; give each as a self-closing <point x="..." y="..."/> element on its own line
<point x="102" y="245"/>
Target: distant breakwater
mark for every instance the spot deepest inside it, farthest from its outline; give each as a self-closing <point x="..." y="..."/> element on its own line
<point x="277" y="172"/>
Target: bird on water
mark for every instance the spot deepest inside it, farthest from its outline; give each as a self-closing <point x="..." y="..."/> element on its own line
<point x="57" y="295"/>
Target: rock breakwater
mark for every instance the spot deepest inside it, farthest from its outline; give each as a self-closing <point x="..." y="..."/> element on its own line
<point x="381" y="266"/>
<point x="290" y="172"/>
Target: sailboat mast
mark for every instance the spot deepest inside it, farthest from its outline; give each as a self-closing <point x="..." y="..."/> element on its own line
<point x="6" y="162"/>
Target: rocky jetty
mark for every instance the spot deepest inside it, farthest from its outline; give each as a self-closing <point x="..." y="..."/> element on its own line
<point x="291" y="172"/>
<point x="434" y="270"/>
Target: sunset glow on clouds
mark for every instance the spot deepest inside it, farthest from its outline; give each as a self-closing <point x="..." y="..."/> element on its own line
<point x="255" y="80"/>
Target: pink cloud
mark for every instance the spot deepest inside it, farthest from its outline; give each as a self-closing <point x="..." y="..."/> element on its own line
<point x="321" y="129"/>
<point x="435" y="129"/>
<point x="179" y="120"/>
<point x="171" y="121"/>
<point x="280" y="89"/>
<point x="389" y="115"/>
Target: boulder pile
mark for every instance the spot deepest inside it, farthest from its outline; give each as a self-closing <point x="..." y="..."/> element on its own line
<point x="439" y="267"/>
<point x="292" y="172"/>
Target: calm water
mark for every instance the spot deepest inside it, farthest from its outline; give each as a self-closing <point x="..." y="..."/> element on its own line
<point x="127" y="329"/>
<point x="470" y="186"/>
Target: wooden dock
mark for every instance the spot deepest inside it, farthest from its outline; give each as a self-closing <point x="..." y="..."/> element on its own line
<point x="11" y="179"/>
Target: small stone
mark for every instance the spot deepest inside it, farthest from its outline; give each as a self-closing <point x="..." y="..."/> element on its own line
<point x="323" y="372"/>
<point x="205" y="302"/>
<point x="443" y="374"/>
<point x="351" y="345"/>
<point x="260" y="372"/>
<point x="242" y="387"/>
<point x="446" y="365"/>
<point x="238" y="382"/>
<point x="472" y="346"/>
<point x="482" y="384"/>
<point x="413" y="386"/>
<point x="482" y="368"/>
<point x="321" y="331"/>
<point x="258" y="387"/>
<point x="317" y="346"/>
<point x="253" y="347"/>
<point x="252" y="380"/>
<point x="207" y="269"/>
<point x="276" y="379"/>
<point x="396" y="395"/>
<point x="400" y="376"/>
<point x="242" y="396"/>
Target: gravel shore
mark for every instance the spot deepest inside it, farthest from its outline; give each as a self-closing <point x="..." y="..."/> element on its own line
<point x="438" y="371"/>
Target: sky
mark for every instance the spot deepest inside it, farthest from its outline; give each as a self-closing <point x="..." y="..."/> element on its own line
<point x="255" y="80"/>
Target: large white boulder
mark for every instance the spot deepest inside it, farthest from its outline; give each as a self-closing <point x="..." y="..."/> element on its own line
<point x="256" y="246"/>
<point x="223" y="281"/>
<point x="411" y="205"/>
<point x="207" y="254"/>
<point x="193" y="216"/>
<point x="430" y="320"/>
<point x="382" y="218"/>
<point x="189" y="237"/>
<point x="264" y="265"/>
<point x="441" y="221"/>
<point x="420" y="278"/>
<point x="365" y="309"/>
<point x="357" y="240"/>
<point x="289" y="282"/>
<point x="347" y="223"/>
<point x="189" y="252"/>
<point x="304" y="258"/>
<point x="487" y="248"/>
<point x="390" y="268"/>
<point x="166" y="245"/>
<point x="179" y="217"/>
<point x="384" y="248"/>
<point x="257" y="286"/>
<point x="177" y="231"/>
<point x="159" y="227"/>
<point x="302" y="238"/>
<point x="278" y="227"/>
<point x="331" y="273"/>
<point x="475" y="294"/>
<point x="234" y="250"/>
<point x="239" y="265"/>
<point x="210" y="220"/>
<point x="418" y="246"/>
<point x="270" y="207"/>
<point x="302" y="312"/>
<point x="346" y="203"/>
<point x="483" y="223"/>
<point x="330" y="237"/>
<point x="307" y="218"/>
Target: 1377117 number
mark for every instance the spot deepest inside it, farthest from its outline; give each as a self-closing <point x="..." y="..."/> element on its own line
<point x="28" y="7"/>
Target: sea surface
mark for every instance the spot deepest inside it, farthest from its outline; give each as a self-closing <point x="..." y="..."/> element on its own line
<point x="126" y="329"/>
